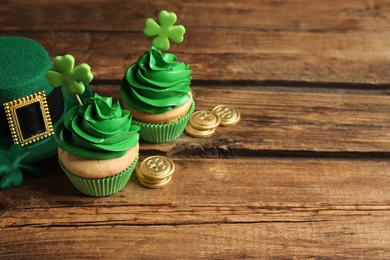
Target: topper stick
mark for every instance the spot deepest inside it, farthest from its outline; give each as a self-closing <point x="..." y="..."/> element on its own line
<point x="78" y="99"/>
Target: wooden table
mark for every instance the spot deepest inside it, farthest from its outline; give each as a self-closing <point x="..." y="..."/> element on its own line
<point x="305" y="174"/>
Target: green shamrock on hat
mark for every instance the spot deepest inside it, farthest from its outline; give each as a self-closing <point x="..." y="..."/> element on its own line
<point x="73" y="77"/>
<point x="165" y="30"/>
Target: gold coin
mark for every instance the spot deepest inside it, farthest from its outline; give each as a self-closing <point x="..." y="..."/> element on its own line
<point x="155" y="171"/>
<point x="157" y="167"/>
<point x="198" y="133"/>
<point x="143" y="178"/>
<point x="155" y="185"/>
<point x="228" y="114"/>
<point x="204" y="120"/>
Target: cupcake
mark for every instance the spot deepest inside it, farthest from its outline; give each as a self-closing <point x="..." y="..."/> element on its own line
<point x="98" y="146"/>
<point x="156" y="88"/>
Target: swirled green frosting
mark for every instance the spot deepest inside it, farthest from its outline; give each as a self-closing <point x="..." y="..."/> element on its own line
<point x="97" y="129"/>
<point x="156" y="83"/>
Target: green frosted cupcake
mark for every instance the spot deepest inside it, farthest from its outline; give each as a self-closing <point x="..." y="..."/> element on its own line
<point x="98" y="146"/>
<point x="156" y="88"/>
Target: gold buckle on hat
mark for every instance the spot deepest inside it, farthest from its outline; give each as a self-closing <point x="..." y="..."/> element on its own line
<point x="13" y="121"/>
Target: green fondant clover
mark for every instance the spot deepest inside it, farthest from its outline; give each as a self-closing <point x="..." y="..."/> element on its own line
<point x="11" y="164"/>
<point x="165" y="30"/>
<point x="66" y="73"/>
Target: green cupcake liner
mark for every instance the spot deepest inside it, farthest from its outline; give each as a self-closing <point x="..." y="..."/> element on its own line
<point x="163" y="133"/>
<point x="100" y="187"/>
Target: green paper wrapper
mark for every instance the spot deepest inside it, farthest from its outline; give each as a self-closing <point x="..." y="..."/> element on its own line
<point x="100" y="186"/>
<point x="163" y="133"/>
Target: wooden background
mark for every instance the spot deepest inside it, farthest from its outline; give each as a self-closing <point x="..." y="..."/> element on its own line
<point x="305" y="174"/>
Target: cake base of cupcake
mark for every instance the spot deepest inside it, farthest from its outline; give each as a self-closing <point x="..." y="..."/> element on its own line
<point x="163" y="133"/>
<point x="100" y="187"/>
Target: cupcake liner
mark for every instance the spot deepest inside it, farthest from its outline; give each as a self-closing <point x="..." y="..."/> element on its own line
<point x="163" y="133"/>
<point x="100" y="186"/>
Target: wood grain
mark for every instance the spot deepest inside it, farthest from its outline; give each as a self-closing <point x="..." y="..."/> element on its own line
<point x="329" y="57"/>
<point x="294" y="207"/>
<point x="249" y="15"/>
<point x="263" y="240"/>
<point x="344" y="42"/>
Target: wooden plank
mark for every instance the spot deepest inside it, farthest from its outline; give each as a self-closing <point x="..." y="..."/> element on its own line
<point x="336" y="239"/>
<point x="359" y="57"/>
<point x="331" y="41"/>
<point x="247" y="15"/>
<point x="291" y="189"/>
<point x="322" y="208"/>
<point x="274" y="123"/>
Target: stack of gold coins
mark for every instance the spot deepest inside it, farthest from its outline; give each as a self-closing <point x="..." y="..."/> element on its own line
<point x="228" y="114"/>
<point x="202" y="124"/>
<point x="155" y="171"/>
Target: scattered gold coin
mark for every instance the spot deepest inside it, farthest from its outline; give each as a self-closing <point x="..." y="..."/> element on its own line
<point x="154" y="185"/>
<point x="204" y="120"/>
<point x="155" y="171"/>
<point x="228" y="114"/>
<point x="198" y="133"/>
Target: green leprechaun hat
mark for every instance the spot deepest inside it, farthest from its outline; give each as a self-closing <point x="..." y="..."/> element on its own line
<point x="29" y="108"/>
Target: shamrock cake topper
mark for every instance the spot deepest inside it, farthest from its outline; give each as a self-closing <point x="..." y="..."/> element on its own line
<point x="165" y="30"/>
<point x="73" y="77"/>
